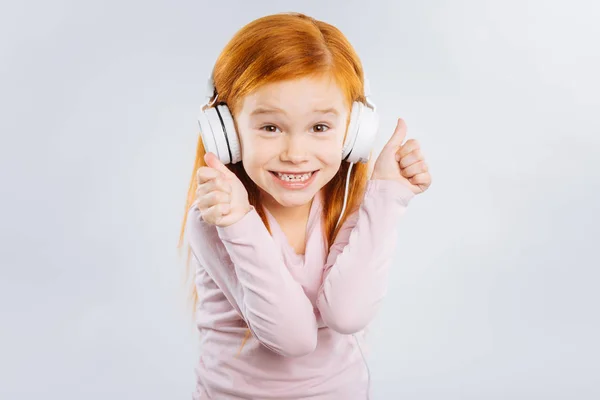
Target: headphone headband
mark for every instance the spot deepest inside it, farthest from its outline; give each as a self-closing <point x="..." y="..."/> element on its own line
<point x="210" y="88"/>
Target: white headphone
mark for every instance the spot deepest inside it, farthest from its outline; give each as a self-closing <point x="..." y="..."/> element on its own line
<point x="220" y="137"/>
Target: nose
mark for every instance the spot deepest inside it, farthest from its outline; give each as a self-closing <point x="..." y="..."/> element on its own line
<point x="295" y="149"/>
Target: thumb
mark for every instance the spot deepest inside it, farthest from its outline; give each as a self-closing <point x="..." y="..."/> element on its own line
<point x="213" y="161"/>
<point x="399" y="135"/>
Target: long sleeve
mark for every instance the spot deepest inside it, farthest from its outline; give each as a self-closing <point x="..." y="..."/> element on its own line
<point x="356" y="271"/>
<point x="241" y="259"/>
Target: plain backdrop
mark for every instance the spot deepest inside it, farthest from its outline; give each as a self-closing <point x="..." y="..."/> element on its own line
<point x="494" y="289"/>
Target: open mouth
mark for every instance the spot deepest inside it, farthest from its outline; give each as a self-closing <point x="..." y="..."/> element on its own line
<point x="294" y="177"/>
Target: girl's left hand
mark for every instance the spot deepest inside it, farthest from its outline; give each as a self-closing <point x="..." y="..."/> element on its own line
<point x="403" y="162"/>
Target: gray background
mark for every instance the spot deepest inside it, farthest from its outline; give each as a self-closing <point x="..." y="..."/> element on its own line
<point x="493" y="294"/>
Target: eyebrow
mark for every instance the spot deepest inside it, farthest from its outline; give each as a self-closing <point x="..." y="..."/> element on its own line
<point x="275" y="110"/>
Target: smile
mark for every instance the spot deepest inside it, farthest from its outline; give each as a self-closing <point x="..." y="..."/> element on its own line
<point x="294" y="181"/>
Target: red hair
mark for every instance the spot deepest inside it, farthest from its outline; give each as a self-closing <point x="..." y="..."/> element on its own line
<point x="275" y="48"/>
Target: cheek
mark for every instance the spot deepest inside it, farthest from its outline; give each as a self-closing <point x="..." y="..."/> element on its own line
<point x="331" y="155"/>
<point x="332" y="151"/>
<point x="255" y="153"/>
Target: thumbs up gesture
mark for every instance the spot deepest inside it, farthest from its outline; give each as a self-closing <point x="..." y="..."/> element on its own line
<point x="221" y="197"/>
<point x="403" y="162"/>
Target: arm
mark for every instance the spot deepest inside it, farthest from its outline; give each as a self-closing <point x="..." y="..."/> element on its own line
<point x="242" y="260"/>
<point x="355" y="275"/>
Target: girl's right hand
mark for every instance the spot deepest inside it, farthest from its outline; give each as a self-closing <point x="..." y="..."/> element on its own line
<point x="221" y="197"/>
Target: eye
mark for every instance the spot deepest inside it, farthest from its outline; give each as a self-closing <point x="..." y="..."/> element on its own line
<point x="268" y="128"/>
<point x="324" y="127"/>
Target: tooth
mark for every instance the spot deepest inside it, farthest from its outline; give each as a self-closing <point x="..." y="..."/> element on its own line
<point x="294" y="178"/>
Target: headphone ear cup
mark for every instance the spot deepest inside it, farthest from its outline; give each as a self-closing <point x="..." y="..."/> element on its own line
<point x="352" y="130"/>
<point x="362" y="129"/>
<point x="219" y="135"/>
<point x="232" y="137"/>
<point x="365" y="137"/>
<point x="207" y="134"/>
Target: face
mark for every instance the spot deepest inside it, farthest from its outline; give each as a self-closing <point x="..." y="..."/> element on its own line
<point x="292" y="126"/>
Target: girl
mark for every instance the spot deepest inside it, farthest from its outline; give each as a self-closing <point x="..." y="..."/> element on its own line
<point x="284" y="277"/>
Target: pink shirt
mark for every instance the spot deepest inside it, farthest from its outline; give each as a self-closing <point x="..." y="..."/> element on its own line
<point x="301" y="309"/>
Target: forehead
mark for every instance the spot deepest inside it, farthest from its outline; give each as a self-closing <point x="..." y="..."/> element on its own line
<point x="297" y="96"/>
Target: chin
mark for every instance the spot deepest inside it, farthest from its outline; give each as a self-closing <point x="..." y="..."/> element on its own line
<point x="293" y="199"/>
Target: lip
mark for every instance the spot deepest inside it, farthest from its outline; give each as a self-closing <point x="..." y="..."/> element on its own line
<point x="294" y="173"/>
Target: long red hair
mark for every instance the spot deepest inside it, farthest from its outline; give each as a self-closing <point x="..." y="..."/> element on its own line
<point x="275" y="48"/>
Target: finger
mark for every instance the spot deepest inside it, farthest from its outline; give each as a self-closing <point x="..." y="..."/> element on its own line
<point x="399" y="134"/>
<point x="205" y="174"/>
<point x="415" y="169"/>
<point x="421" y="179"/>
<point x="213" y="184"/>
<point x="213" y="161"/>
<point x="410" y="159"/>
<point x="215" y="213"/>
<point x="218" y="210"/>
<point x="225" y="208"/>
<point x="408" y="147"/>
<point x="213" y="198"/>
